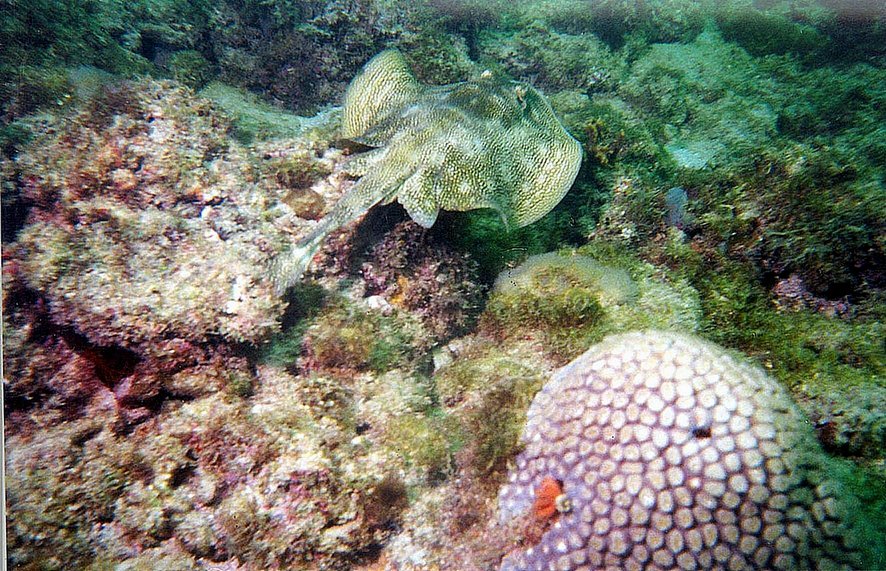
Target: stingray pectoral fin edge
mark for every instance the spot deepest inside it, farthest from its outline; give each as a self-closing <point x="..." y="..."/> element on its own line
<point x="382" y="87"/>
<point x="417" y="196"/>
<point x="556" y="176"/>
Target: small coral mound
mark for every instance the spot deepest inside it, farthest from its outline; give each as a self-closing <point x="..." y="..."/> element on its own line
<point x="566" y="297"/>
<point x="674" y="455"/>
<point x="570" y="300"/>
<point x="614" y="284"/>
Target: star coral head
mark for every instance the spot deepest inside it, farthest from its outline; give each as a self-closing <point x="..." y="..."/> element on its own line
<point x="667" y="452"/>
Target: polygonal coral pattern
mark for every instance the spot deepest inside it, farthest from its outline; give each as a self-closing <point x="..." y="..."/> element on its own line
<point x="674" y="455"/>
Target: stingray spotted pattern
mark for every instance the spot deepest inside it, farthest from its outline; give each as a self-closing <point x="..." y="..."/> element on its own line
<point x="674" y="455"/>
<point x="478" y="144"/>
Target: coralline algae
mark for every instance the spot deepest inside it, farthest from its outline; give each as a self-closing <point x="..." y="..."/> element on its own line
<point x="674" y="455"/>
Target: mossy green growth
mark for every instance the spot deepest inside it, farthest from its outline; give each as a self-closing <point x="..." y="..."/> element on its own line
<point x="803" y="348"/>
<point x="190" y="68"/>
<point x="428" y="440"/>
<point x="239" y="384"/>
<point x="766" y="33"/>
<point x="848" y="104"/>
<point x="305" y="302"/>
<point x="557" y="61"/>
<point x="494" y="246"/>
<point x="347" y="337"/>
<point x="813" y="212"/>
<point x="868" y="486"/>
<point x="25" y="89"/>
<point x="820" y="359"/>
<point x="611" y="132"/>
<point x="573" y="299"/>
<point x="13" y="136"/>
<point x="438" y="58"/>
<point x="489" y="394"/>
<point x="562" y="300"/>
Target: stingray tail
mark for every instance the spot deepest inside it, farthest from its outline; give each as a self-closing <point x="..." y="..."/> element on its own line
<point x="289" y="266"/>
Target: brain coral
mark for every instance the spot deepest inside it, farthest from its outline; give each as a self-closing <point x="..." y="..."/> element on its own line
<point x="671" y="454"/>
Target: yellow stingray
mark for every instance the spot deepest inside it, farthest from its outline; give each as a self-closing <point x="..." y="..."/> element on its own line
<point x="487" y="143"/>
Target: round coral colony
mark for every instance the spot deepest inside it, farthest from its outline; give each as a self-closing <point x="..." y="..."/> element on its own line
<point x="673" y="455"/>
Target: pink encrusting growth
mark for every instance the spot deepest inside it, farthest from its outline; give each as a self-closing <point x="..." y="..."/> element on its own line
<point x="675" y="455"/>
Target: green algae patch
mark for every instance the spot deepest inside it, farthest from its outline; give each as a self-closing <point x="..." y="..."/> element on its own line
<point x="285" y="346"/>
<point x="551" y="272"/>
<point x="766" y="33"/>
<point x="554" y="300"/>
<point x="488" y="393"/>
<point x="427" y="440"/>
<point x="572" y="300"/>
<point x="495" y="421"/>
<point x="190" y="68"/>
<point x="348" y="337"/>
<point x="835" y="367"/>
<point x="706" y="113"/>
<point x="868" y="487"/>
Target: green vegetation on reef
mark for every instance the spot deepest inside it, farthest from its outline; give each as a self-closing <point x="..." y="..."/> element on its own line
<point x="732" y="186"/>
<point x="575" y="298"/>
<point x="870" y="489"/>
<point x="305" y="302"/>
<point x="557" y="300"/>
<point x="767" y="33"/>
<point x="827" y="362"/>
<point x="488" y="394"/>
<point x="42" y="38"/>
<point x="346" y="337"/>
<point x="190" y="68"/>
<point x="484" y="236"/>
<point x="427" y="440"/>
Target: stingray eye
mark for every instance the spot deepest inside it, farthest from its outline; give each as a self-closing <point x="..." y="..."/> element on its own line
<point x="547" y="495"/>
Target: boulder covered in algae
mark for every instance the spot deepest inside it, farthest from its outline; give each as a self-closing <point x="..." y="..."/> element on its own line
<point x="280" y="480"/>
<point x="149" y="222"/>
<point x="146" y="222"/>
<point x="128" y="296"/>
